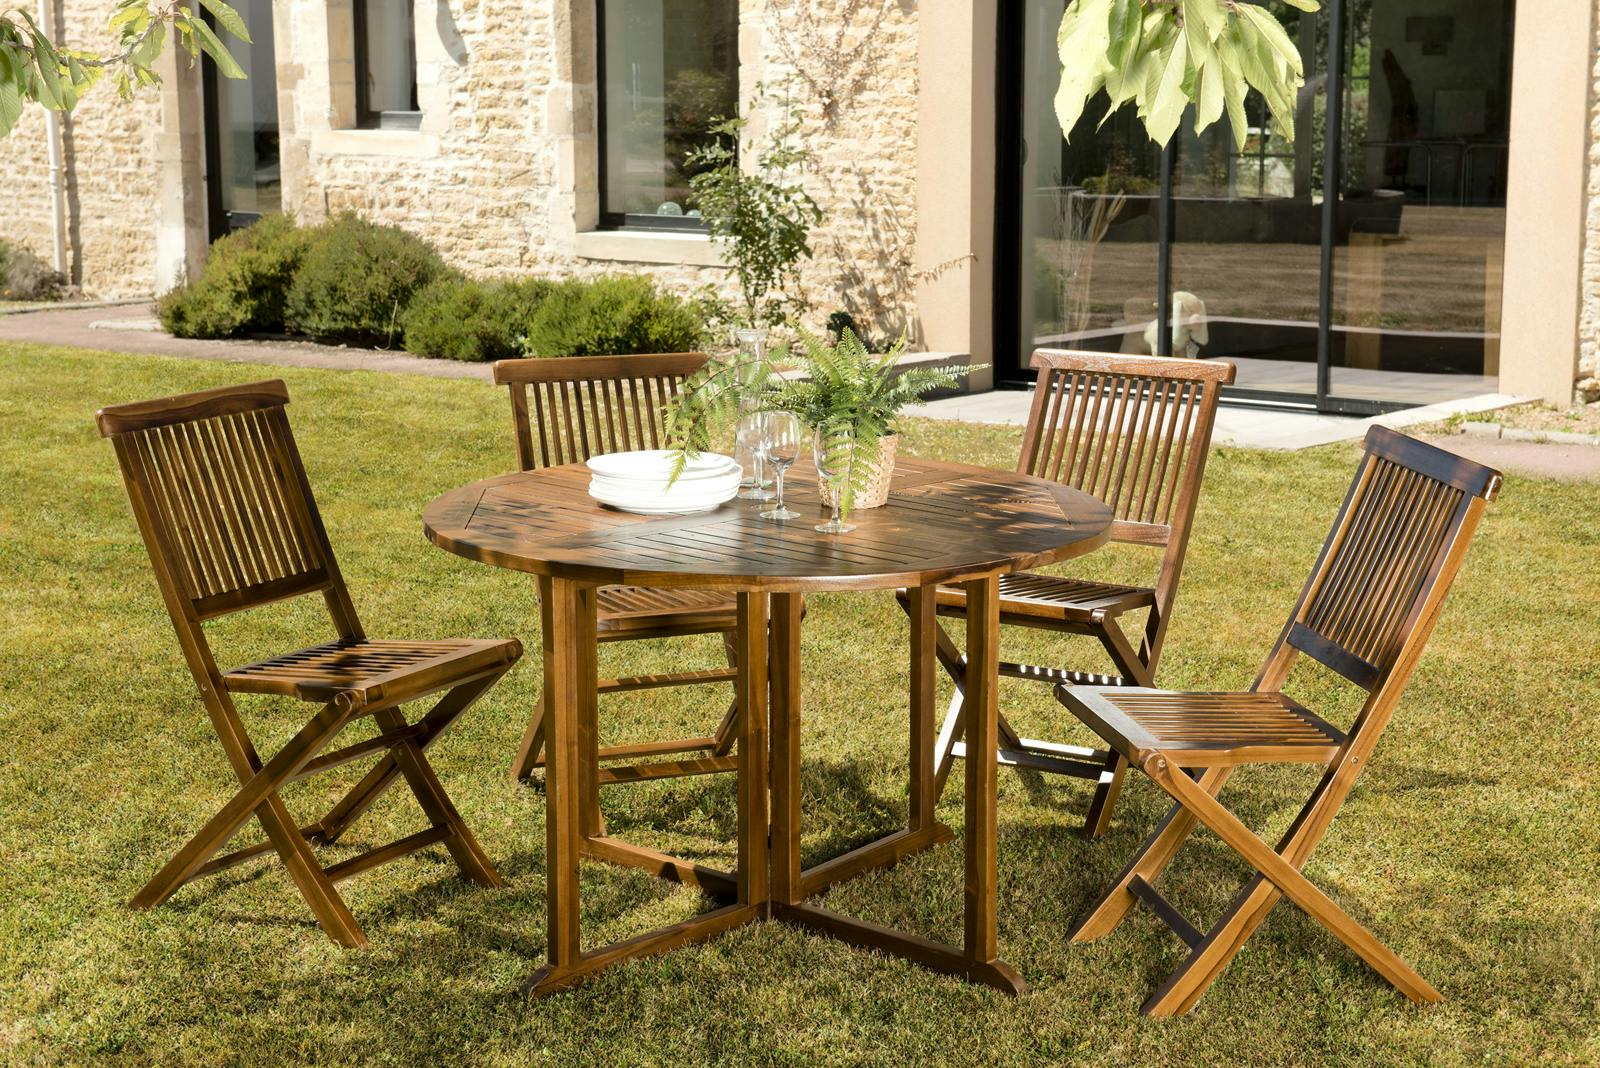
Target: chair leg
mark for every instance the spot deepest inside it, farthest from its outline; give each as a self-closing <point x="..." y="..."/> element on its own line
<point x="727" y="731"/>
<point x="1151" y="859"/>
<point x="1277" y="876"/>
<point x="253" y="793"/>
<point x="1106" y="790"/>
<point x="530" y="752"/>
<point x="437" y="806"/>
<point x="314" y="885"/>
<point x="383" y="774"/>
<point x="1136" y="671"/>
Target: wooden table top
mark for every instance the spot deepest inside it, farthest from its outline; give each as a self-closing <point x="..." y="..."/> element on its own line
<point x="944" y="522"/>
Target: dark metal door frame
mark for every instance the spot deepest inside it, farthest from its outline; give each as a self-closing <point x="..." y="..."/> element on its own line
<point x="1010" y="156"/>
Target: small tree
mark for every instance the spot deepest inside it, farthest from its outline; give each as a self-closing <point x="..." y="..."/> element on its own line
<point x="33" y="69"/>
<point x="762" y="218"/>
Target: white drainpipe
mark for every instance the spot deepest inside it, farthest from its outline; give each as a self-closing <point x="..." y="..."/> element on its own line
<point x="58" y="188"/>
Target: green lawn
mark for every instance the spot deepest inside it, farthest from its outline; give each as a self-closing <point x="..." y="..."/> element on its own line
<point x="1470" y="844"/>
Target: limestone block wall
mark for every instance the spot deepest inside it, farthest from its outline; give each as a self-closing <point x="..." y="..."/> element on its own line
<point x="111" y="177"/>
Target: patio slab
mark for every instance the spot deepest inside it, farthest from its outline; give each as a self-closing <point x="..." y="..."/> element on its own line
<point x="1256" y="428"/>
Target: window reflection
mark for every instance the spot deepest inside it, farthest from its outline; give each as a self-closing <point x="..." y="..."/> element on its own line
<point x="670" y="67"/>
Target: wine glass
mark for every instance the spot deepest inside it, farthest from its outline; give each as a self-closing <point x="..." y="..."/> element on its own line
<point x="782" y="449"/>
<point x="752" y="441"/>
<point x="833" y="454"/>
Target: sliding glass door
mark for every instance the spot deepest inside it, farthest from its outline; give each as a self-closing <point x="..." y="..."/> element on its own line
<point x="1356" y="272"/>
<point x="243" y="177"/>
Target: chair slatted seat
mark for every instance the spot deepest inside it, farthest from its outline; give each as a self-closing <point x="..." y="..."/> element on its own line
<point x="1366" y="614"/>
<point x="567" y="410"/>
<point x="1135" y="432"/>
<point x="227" y="515"/>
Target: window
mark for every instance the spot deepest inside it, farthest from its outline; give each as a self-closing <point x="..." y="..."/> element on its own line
<point x="667" y="68"/>
<point x="386" y="64"/>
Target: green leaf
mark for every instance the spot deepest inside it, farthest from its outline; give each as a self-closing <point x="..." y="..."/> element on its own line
<point x="1209" y="103"/>
<point x="150" y="49"/>
<point x="228" y="19"/>
<point x="226" y="65"/>
<point x="1233" y="91"/>
<point x="1081" y="42"/>
<point x="1274" y="35"/>
<point x="1166" y="109"/>
<point x="10" y="97"/>
<point x="1203" y="20"/>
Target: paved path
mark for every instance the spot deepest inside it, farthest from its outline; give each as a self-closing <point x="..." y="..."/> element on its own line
<point x="1535" y="459"/>
<point x="126" y="328"/>
<point x="1256" y="428"/>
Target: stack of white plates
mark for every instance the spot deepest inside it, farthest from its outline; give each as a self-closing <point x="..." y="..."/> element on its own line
<point x="637" y="482"/>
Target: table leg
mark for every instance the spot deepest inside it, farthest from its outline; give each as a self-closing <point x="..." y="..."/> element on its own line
<point x="981" y="940"/>
<point x="560" y="609"/>
<point x="754" y="826"/>
<point x="586" y="648"/>
<point x="785" y="687"/>
<point x="568" y="614"/>
<point x="924" y="664"/>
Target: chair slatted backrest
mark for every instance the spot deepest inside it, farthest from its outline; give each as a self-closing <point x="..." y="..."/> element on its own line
<point x="223" y="502"/>
<point x="1131" y="430"/>
<point x="1392" y="553"/>
<point x="1134" y="431"/>
<point x="570" y="408"/>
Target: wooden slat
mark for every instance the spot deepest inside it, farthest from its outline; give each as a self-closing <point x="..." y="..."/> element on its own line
<point x="347" y="869"/>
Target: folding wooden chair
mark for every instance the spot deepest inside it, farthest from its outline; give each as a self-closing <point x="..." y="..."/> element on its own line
<point x="1365" y="613"/>
<point x="564" y="411"/>
<point x="1134" y="431"/>
<point x="221" y="497"/>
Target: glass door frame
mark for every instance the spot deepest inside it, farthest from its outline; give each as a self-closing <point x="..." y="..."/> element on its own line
<point x="1010" y="155"/>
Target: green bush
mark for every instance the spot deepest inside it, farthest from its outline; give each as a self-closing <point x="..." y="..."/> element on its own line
<point x="244" y="286"/>
<point x="356" y="280"/>
<point x="612" y="315"/>
<point x="24" y="276"/>
<point x="464" y="319"/>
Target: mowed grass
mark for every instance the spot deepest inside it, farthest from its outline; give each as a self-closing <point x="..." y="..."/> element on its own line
<point x="1470" y="844"/>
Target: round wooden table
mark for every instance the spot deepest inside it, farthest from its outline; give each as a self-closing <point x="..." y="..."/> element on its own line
<point x="944" y="523"/>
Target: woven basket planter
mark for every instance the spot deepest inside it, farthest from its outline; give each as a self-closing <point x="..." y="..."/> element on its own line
<point x="876" y="493"/>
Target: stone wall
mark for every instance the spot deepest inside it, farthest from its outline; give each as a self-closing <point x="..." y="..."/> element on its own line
<point x="503" y="174"/>
<point x="111" y="178"/>
<point x="1588" y="386"/>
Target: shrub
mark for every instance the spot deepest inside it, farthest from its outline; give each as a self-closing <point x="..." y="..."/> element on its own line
<point x="244" y="286"/>
<point x="356" y="279"/>
<point x="463" y="319"/>
<point x="612" y="315"/>
<point x="24" y="276"/>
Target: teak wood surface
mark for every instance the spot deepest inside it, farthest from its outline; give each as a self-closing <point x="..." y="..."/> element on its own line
<point x="1365" y="613"/>
<point x="1134" y="431"/>
<point x="564" y="411"/>
<point x="222" y="501"/>
<point x="944" y="523"/>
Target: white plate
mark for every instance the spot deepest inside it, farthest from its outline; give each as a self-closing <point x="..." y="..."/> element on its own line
<point x="663" y="506"/>
<point x="705" y="487"/>
<point x="655" y="465"/>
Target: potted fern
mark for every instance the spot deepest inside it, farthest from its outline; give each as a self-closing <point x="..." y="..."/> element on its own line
<point x="845" y="394"/>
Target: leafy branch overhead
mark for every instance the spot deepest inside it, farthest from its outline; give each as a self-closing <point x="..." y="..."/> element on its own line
<point x="1164" y="55"/>
<point x="35" y="69"/>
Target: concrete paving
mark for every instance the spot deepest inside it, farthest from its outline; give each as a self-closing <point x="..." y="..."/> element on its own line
<point x="1256" y="428"/>
<point x="1567" y="463"/>
<point x="132" y="328"/>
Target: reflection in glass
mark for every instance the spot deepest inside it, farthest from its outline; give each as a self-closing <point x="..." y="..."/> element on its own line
<point x="1247" y="233"/>
<point x="670" y="67"/>
<point x="246" y="125"/>
<point x="1417" y="272"/>
<point x="1088" y="213"/>
<point x="389" y="56"/>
